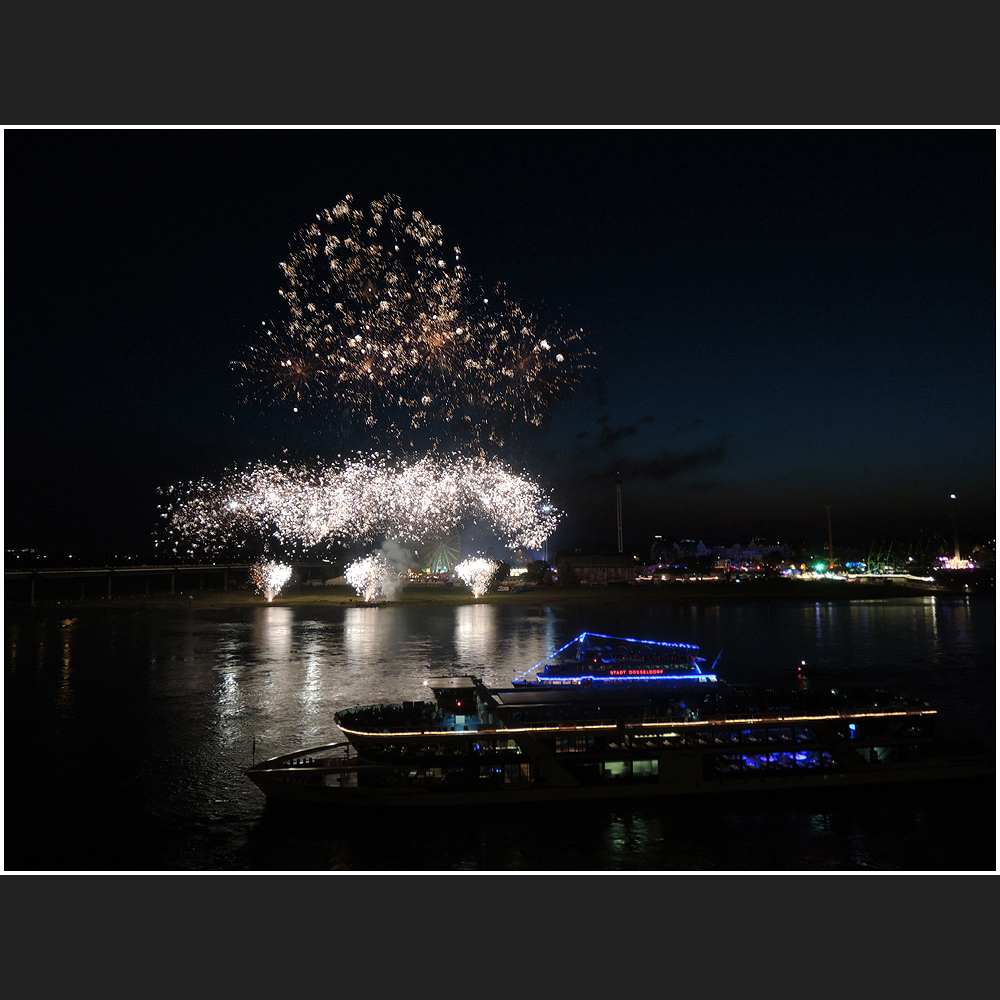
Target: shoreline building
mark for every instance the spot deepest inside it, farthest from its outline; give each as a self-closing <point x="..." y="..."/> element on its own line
<point x="596" y="570"/>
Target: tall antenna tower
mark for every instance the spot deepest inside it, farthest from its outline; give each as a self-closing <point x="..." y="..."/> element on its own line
<point x="954" y="522"/>
<point x="620" y="550"/>
<point x="829" y="528"/>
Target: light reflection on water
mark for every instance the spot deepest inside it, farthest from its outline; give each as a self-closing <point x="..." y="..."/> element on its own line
<point x="66" y="672"/>
<point x="475" y="636"/>
<point x="179" y="702"/>
<point x="272" y="633"/>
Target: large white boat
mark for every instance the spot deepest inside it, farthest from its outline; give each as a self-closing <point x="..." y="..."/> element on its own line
<point x="606" y="717"/>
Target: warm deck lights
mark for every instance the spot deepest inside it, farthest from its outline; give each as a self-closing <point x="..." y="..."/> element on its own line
<point x="672" y="724"/>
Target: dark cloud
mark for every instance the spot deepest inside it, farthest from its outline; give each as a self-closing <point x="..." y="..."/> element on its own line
<point x="683" y="428"/>
<point x="664" y="466"/>
<point x="610" y="436"/>
<point x="593" y="390"/>
<point x="704" y="486"/>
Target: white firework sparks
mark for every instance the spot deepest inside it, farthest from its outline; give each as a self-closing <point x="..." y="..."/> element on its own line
<point x="477" y="574"/>
<point x="369" y="576"/>
<point x="298" y="507"/>
<point x="270" y="577"/>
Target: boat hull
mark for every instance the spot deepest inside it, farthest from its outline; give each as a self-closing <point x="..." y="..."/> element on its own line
<point x="312" y="788"/>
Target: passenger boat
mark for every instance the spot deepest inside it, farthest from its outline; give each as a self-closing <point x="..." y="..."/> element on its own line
<point x="607" y="718"/>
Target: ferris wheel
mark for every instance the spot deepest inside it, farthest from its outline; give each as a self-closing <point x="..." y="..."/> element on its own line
<point x="446" y="555"/>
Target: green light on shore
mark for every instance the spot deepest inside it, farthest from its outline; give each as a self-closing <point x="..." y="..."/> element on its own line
<point x="820" y="567"/>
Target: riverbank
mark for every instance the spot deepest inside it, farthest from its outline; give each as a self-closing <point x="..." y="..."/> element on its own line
<point x="798" y="590"/>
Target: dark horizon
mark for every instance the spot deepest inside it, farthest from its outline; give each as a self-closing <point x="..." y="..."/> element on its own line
<point x="784" y="321"/>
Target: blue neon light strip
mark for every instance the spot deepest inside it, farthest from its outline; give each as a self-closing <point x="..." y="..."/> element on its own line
<point x="582" y="638"/>
<point x="645" y="642"/>
<point x="579" y="638"/>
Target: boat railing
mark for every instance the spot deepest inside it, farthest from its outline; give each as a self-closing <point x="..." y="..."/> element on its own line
<point x="322" y="752"/>
<point x="389" y="716"/>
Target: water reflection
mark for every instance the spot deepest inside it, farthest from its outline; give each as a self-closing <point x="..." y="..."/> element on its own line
<point x="228" y="695"/>
<point x="820" y="823"/>
<point x="366" y="634"/>
<point x="272" y="632"/>
<point x="857" y="635"/>
<point x="66" y="697"/>
<point x="475" y="632"/>
<point x="858" y="847"/>
<point x="311" y="654"/>
<point x="956" y="614"/>
<point x="933" y="608"/>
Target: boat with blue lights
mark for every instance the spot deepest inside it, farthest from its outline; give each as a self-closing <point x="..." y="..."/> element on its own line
<point x="609" y="663"/>
<point x="605" y="717"/>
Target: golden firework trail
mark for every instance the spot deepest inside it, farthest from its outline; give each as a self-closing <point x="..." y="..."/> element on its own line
<point x="385" y="329"/>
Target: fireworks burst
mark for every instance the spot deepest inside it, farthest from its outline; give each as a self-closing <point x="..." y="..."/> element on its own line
<point x="384" y="326"/>
<point x="296" y="507"/>
<point x="368" y="576"/>
<point x="270" y="577"/>
<point x="478" y="574"/>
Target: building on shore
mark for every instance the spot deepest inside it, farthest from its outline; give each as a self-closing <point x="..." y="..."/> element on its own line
<point x="596" y="570"/>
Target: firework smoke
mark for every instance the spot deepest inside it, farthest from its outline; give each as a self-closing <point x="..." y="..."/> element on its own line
<point x="380" y="575"/>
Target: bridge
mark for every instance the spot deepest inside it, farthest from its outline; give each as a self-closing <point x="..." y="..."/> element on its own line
<point x="31" y="585"/>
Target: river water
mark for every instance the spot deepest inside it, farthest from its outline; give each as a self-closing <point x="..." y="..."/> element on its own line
<point x="128" y="730"/>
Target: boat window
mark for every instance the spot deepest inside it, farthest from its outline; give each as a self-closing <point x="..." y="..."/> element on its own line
<point x="491" y="746"/>
<point x="753" y="735"/>
<point x="780" y="761"/>
<point x="779" y="736"/>
<point x="645" y="768"/>
<point x="727" y="763"/>
<point x="579" y="743"/>
<point x="616" y="768"/>
<point x="727" y="736"/>
<point x="803" y="734"/>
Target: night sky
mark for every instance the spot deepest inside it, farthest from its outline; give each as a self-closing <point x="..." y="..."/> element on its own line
<point x="783" y="320"/>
